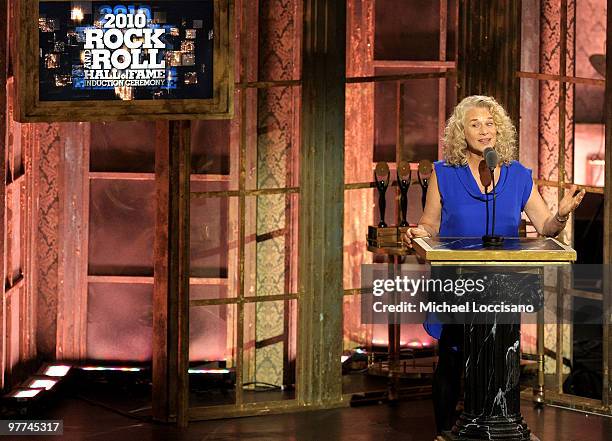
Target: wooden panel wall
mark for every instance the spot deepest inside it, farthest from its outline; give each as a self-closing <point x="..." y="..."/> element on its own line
<point x="489" y="51"/>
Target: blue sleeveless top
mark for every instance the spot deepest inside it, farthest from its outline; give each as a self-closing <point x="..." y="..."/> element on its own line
<point x="463" y="204"/>
<point x="464" y="208"/>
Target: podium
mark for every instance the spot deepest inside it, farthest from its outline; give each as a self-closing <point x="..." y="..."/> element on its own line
<point x="491" y="351"/>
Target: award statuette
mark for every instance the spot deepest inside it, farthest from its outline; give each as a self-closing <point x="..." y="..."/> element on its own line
<point x="424" y="173"/>
<point x="381" y="176"/>
<point x="404" y="174"/>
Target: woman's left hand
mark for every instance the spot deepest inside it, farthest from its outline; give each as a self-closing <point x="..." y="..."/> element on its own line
<point x="569" y="201"/>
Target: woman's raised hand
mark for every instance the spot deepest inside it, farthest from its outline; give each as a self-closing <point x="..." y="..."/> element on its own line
<point x="412" y="233"/>
<point x="569" y="201"/>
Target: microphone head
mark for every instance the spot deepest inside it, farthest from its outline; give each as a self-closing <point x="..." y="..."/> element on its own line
<point x="490" y="157"/>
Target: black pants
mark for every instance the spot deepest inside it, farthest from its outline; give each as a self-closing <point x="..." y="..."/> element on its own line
<point x="447" y="378"/>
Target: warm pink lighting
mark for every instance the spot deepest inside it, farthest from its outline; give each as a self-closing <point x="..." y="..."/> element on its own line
<point x="589" y="142"/>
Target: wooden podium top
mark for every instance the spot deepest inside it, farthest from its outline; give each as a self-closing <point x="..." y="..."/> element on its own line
<point x="471" y="249"/>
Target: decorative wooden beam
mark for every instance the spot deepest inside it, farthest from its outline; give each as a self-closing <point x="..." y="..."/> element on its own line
<point x="447" y="73"/>
<point x="561" y="78"/>
<point x="425" y="64"/>
<point x="530" y="90"/>
<point x="321" y="203"/>
<point x="180" y="167"/>
<point x="3" y="72"/>
<point x="128" y="280"/>
<point x="163" y="383"/>
<point x="607" y="329"/>
<point x="126" y="176"/>
<point x="171" y="273"/>
<point x="442" y="85"/>
<point x="73" y="241"/>
<point x="31" y="218"/>
<point x="489" y="51"/>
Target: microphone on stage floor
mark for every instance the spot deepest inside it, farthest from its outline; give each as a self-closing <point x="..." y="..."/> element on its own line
<point x="491" y="159"/>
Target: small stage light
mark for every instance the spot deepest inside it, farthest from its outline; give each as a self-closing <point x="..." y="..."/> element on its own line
<point x="55" y="370"/>
<point x="110" y="368"/>
<point x="209" y="371"/>
<point x="40" y="381"/>
<point x="24" y="393"/>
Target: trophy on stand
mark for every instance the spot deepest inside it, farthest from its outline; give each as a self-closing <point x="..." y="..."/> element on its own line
<point x="404" y="174"/>
<point x="382" y="235"/>
<point x="424" y="173"/>
<point x="381" y="176"/>
<point x="385" y="241"/>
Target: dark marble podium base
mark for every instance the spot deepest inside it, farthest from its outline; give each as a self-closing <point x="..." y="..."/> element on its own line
<point x="508" y="428"/>
<point x="492" y="400"/>
<point x="448" y="436"/>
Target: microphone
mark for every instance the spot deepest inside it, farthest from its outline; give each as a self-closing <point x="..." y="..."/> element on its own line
<point x="491" y="159"/>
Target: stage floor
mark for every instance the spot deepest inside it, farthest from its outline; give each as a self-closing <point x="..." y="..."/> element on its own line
<point x="408" y="421"/>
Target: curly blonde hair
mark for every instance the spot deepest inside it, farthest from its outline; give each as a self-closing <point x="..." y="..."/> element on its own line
<point x="455" y="146"/>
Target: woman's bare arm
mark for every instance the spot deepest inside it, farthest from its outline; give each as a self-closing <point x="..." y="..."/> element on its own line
<point x="544" y="222"/>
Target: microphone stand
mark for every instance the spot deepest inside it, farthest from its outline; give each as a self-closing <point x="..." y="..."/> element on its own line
<point x="487" y="208"/>
<point x="492" y="240"/>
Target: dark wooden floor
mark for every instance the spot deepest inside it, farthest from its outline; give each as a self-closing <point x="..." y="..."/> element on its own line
<point x="409" y="421"/>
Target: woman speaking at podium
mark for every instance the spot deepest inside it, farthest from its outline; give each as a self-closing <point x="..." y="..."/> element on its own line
<point x="455" y="207"/>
